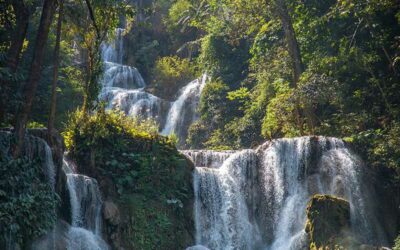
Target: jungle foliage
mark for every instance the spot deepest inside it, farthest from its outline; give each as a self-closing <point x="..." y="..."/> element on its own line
<point x="278" y="68"/>
<point x="349" y="86"/>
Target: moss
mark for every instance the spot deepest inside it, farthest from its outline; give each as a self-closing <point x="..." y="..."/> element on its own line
<point x="143" y="174"/>
<point x="328" y="223"/>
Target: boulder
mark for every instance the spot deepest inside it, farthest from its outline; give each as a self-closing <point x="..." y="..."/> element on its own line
<point x="328" y="220"/>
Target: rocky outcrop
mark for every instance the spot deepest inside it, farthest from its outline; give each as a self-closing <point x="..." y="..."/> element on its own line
<point x="328" y="225"/>
<point x="328" y="220"/>
<point x="146" y="184"/>
<point x="137" y="220"/>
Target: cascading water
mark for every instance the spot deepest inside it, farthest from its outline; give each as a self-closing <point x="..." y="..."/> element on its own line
<point x="84" y="233"/>
<point x="256" y="199"/>
<point x="123" y="88"/>
<point x="135" y="102"/>
<point x="188" y="98"/>
<point x="86" y="203"/>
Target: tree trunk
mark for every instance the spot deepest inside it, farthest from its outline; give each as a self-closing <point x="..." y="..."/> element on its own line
<point x="295" y="56"/>
<point x="52" y="115"/>
<point x="13" y="54"/>
<point x="29" y="89"/>
<point x="21" y="27"/>
<point x="291" y="40"/>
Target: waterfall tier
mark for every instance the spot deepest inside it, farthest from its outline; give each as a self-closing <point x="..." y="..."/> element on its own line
<point x="256" y="199"/>
<point x="86" y="204"/>
<point x="123" y="88"/>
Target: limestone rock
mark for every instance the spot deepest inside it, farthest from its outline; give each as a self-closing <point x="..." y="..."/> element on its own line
<point x="328" y="219"/>
<point x="111" y="212"/>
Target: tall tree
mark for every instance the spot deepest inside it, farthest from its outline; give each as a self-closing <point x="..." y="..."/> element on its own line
<point x="282" y="12"/>
<point x="29" y="88"/>
<point x="21" y="13"/>
<point x="96" y="20"/>
<point x="56" y="58"/>
<point x="21" y="26"/>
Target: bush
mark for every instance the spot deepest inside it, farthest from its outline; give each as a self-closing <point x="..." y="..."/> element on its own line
<point x="100" y="126"/>
<point x="171" y="73"/>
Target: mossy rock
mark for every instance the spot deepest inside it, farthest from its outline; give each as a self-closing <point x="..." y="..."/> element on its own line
<point x="145" y="182"/>
<point x="328" y="223"/>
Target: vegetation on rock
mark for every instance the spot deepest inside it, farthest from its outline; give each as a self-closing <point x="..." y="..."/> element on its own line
<point x="28" y="205"/>
<point x="141" y="172"/>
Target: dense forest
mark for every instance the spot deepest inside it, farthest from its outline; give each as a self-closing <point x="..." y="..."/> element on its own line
<point x="264" y="70"/>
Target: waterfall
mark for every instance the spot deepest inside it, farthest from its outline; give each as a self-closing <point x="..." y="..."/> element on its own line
<point x="118" y="75"/>
<point x="113" y="52"/>
<point x="256" y="199"/>
<point x="189" y="97"/>
<point x="85" y="231"/>
<point x="135" y="102"/>
<point x="86" y="203"/>
<point x="123" y="88"/>
<point x="49" y="165"/>
<point x="222" y="217"/>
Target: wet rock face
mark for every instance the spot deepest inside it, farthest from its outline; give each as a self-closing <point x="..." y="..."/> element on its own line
<point x="328" y="219"/>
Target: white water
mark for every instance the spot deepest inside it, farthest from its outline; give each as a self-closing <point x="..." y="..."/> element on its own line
<point x="82" y="239"/>
<point x="123" y="88"/>
<point x="86" y="203"/>
<point x="189" y="97"/>
<point x="134" y="102"/>
<point x="49" y="165"/>
<point x="256" y="199"/>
